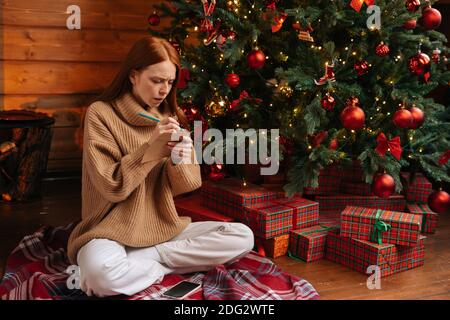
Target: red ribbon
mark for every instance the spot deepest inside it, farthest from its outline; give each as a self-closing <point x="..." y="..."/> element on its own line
<point x="393" y="146"/>
<point x="443" y="159"/>
<point x="208" y="9"/>
<point x="357" y="4"/>
<point x="243" y="96"/>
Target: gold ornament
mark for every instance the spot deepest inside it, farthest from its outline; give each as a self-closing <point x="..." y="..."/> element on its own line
<point x="216" y="107"/>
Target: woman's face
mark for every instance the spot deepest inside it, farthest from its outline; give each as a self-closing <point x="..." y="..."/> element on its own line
<point x="152" y="84"/>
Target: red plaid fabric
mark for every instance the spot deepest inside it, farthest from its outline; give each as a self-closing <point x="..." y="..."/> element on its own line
<point x="229" y="197"/>
<point x="35" y="270"/>
<point x="359" y="254"/>
<point x="430" y="218"/>
<point x="193" y="207"/>
<point x="268" y="220"/>
<point x="275" y="247"/>
<point x="308" y="244"/>
<point x="353" y="172"/>
<point x="329" y="181"/>
<point x="306" y="212"/>
<point x="337" y="203"/>
<point x="357" y="188"/>
<point x="358" y="223"/>
<point x="417" y="190"/>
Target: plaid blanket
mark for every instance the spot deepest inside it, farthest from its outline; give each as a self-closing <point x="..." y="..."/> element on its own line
<point x="36" y="270"/>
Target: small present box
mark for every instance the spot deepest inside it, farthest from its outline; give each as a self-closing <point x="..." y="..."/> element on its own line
<point x="192" y="206"/>
<point x="357" y="188"/>
<point x="371" y="225"/>
<point x="268" y="220"/>
<point x="359" y="254"/>
<point x="329" y="181"/>
<point x="308" y="244"/>
<point x="305" y="214"/>
<point x="417" y="190"/>
<point x="337" y="203"/>
<point x="276" y="246"/>
<point x="429" y="219"/>
<point x="229" y="196"/>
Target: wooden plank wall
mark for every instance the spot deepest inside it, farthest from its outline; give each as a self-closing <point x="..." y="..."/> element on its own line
<point x="48" y="68"/>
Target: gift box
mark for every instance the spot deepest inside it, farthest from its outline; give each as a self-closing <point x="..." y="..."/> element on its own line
<point x="381" y="226"/>
<point x="268" y="220"/>
<point x="359" y="254"/>
<point x="352" y="172"/>
<point x="192" y="206"/>
<point x="337" y="203"/>
<point x="308" y="244"/>
<point x="429" y="218"/>
<point x="305" y="214"/>
<point x="229" y="196"/>
<point x="417" y="190"/>
<point x="276" y="246"/>
<point x="329" y="181"/>
<point x="357" y="188"/>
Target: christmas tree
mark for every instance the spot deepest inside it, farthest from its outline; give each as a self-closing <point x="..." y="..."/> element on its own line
<point x="344" y="81"/>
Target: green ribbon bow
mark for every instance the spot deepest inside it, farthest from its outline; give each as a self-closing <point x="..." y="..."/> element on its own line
<point x="379" y="227"/>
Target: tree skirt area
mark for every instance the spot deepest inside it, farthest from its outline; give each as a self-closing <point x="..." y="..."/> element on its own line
<point x="36" y="270"/>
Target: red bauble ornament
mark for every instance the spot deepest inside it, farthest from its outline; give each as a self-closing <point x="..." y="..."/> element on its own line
<point x="232" y="80"/>
<point x="419" y="64"/>
<point x="333" y="144"/>
<point x="361" y="67"/>
<point x="383" y="185"/>
<point x="418" y="117"/>
<point x="431" y="18"/>
<point x="353" y="117"/>
<point x="328" y="102"/>
<point x="436" y="55"/>
<point x="412" y="5"/>
<point x="382" y="50"/>
<point x="410" y="24"/>
<point x="256" y="59"/>
<point x="154" y="19"/>
<point x="215" y="172"/>
<point x="318" y="138"/>
<point x="439" y="201"/>
<point x="403" y="119"/>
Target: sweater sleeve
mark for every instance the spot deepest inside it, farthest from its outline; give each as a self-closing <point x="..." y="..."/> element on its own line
<point x="184" y="177"/>
<point x="115" y="176"/>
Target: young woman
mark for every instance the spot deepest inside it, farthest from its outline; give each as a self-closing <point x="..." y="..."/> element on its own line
<point x="130" y="234"/>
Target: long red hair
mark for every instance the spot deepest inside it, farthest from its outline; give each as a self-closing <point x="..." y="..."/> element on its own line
<point x="145" y="52"/>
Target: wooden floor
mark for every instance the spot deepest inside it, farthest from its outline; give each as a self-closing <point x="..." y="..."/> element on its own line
<point x="61" y="204"/>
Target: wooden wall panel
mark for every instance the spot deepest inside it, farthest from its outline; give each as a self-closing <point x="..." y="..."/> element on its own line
<point x="47" y="68"/>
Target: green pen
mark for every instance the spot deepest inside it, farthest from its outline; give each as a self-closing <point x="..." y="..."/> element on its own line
<point x="148" y="117"/>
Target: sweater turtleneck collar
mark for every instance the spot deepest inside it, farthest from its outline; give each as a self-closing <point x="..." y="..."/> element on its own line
<point x="129" y="108"/>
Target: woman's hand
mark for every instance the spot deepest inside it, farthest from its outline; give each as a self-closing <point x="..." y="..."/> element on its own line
<point x="164" y="130"/>
<point x="181" y="152"/>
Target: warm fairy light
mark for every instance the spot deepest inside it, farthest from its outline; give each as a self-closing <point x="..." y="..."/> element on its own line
<point x="346" y="48"/>
<point x="352" y="131"/>
<point x="309" y="147"/>
<point x="354" y="53"/>
<point x="388" y="113"/>
<point x="193" y="66"/>
<point x="384" y="102"/>
<point x="195" y="28"/>
<point x="245" y="115"/>
<point x="237" y="125"/>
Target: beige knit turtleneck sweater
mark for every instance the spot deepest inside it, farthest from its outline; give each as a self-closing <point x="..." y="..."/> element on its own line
<point x="124" y="199"/>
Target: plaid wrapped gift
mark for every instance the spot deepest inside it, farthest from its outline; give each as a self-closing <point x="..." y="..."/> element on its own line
<point x="329" y="181"/>
<point x="337" y="203"/>
<point x="229" y="196"/>
<point x="417" y="190"/>
<point x="381" y="226"/>
<point x="353" y="172"/>
<point x="192" y="207"/>
<point x="308" y="244"/>
<point x="359" y="254"/>
<point x="357" y="188"/>
<point x="306" y="212"/>
<point x="430" y="218"/>
<point x="268" y="220"/>
<point x="275" y="247"/>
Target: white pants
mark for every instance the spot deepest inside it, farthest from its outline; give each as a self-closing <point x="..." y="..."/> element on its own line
<point x="108" y="268"/>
